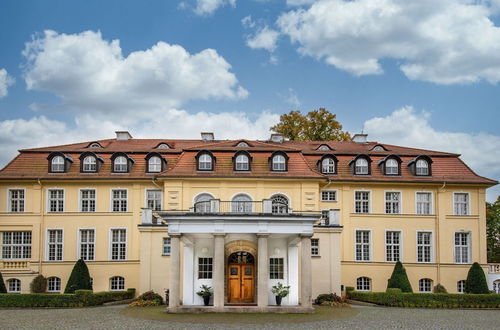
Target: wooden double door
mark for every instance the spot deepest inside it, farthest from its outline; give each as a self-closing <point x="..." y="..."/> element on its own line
<point x="241" y="283"/>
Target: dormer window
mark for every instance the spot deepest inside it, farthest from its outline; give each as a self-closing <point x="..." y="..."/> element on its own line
<point x="242" y="144"/>
<point x="361" y="166"/>
<point x="57" y="164"/>
<point x="154" y="164"/>
<point x="422" y="167"/>
<point x="89" y="164"/>
<point x="323" y="147"/>
<point x="120" y="164"/>
<point x="379" y="147"/>
<point x="205" y="161"/>
<point x="391" y="167"/>
<point x="95" y="145"/>
<point x="328" y="165"/>
<point x="162" y="146"/>
<point x="279" y="162"/>
<point x="242" y="163"/>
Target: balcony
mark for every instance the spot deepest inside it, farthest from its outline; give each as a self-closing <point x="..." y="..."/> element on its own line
<point x="6" y="265"/>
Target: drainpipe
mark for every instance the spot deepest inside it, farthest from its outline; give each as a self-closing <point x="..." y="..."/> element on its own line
<point x="40" y="227"/>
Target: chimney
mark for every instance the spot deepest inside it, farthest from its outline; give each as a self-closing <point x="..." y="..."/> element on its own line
<point x="207" y="136"/>
<point x="123" y="136"/>
<point x="277" y="138"/>
<point x="360" y="138"/>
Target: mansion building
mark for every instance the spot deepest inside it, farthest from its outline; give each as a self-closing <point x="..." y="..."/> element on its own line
<point x="240" y="216"/>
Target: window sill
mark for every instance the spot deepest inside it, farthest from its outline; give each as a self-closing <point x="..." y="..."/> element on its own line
<point x="335" y="201"/>
<point x="315" y="256"/>
<point x="165" y="255"/>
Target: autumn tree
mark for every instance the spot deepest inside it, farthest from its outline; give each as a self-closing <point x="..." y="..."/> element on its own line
<point x="317" y="125"/>
<point x="493" y="230"/>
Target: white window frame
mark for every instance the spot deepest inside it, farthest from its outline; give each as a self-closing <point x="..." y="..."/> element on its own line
<point x="80" y="199"/>
<point x="369" y="201"/>
<point x="391" y="167"/>
<point x="110" y="246"/>
<point x="467" y="205"/>
<point x="119" y="278"/>
<point x="88" y="167"/>
<point x="461" y="286"/>
<point x="9" y="200"/>
<point x="363" y="285"/>
<point x="146" y="204"/>
<point x="315" y="250"/>
<point x="118" y="167"/>
<point x="335" y="191"/>
<point x="430" y="285"/>
<point x="204" y="160"/>
<point x="416" y="167"/>
<point x="53" y="164"/>
<point x="48" y="243"/>
<point x="401" y="247"/>
<point x="431" y="246"/>
<point x="468" y="246"/>
<point x="79" y="246"/>
<point x="23" y="247"/>
<point x="370" y="245"/>
<point x="277" y="162"/>
<point x="154" y="167"/>
<point x="49" y="289"/>
<point x="112" y="199"/>
<point x="18" y="286"/>
<point x="431" y="202"/>
<point x="240" y="163"/>
<point x="399" y="202"/>
<point x="361" y="167"/>
<point x="49" y="199"/>
<point x="164" y="244"/>
<point x="329" y="167"/>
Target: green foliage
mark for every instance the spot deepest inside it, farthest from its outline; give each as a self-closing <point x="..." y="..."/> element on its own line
<point x="328" y="299"/>
<point x="428" y="300"/>
<point x="349" y="288"/>
<point x="399" y="279"/>
<point x="393" y="291"/>
<point x="317" y="125"/>
<point x="88" y="298"/>
<point x="38" y="285"/>
<point x="206" y="291"/>
<point x="3" y="289"/>
<point x="149" y="298"/>
<point x="493" y="230"/>
<point x="280" y="290"/>
<point x="476" y="280"/>
<point x="439" y="289"/>
<point x="79" y="278"/>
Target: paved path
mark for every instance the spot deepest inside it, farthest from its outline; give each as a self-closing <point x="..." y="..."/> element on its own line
<point x="369" y="318"/>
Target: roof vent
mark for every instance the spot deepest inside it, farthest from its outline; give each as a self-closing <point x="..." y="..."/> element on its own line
<point x="360" y="138"/>
<point x="277" y="138"/>
<point x="123" y="136"/>
<point x="207" y="136"/>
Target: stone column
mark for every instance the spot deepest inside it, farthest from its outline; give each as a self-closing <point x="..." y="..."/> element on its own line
<point x="305" y="271"/>
<point x="263" y="272"/>
<point x="175" y="270"/>
<point x="218" y="270"/>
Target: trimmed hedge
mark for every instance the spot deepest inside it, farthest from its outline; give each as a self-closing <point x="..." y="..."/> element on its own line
<point x="428" y="300"/>
<point x="80" y="298"/>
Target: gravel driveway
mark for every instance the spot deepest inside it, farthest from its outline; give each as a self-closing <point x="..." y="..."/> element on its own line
<point x="369" y="318"/>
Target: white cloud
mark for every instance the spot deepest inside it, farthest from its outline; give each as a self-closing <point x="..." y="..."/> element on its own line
<point x="293" y="3"/>
<point x="92" y="75"/>
<point x="408" y="128"/>
<point x="265" y="38"/>
<point x="208" y="7"/>
<point x="291" y="98"/>
<point x="5" y="82"/>
<point x="445" y="42"/>
<point x="247" y="22"/>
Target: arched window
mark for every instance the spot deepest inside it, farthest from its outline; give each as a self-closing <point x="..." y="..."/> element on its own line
<point x="328" y="165"/>
<point x="117" y="283"/>
<point x="95" y="145"/>
<point x="202" y="203"/>
<point x="323" y="147"/>
<point x="496" y="286"/>
<point x="361" y="166"/>
<point x="461" y="286"/>
<point x="162" y="146"/>
<point x="279" y="163"/>
<point x="14" y="285"/>
<point x="422" y="167"/>
<point x="57" y="164"/>
<point x="242" y="163"/>
<point x="89" y="164"/>
<point x="53" y="284"/>
<point x="279" y="204"/>
<point x="154" y="164"/>
<point x="241" y="203"/>
<point x="205" y="162"/>
<point x="242" y="144"/>
<point x="425" y="285"/>
<point x="391" y="167"/>
<point x="120" y="164"/>
<point x="363" y="284"/>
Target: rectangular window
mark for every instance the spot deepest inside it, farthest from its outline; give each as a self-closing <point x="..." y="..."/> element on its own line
<point x="87" y="200"/>
<point x="153" y="199"/>
<point x="205" y="268"/>
<point x="462" y="248"/>
<point x="393" y="246"/>
<point x="118" y="244"/>
<point x="119" y="200"/>
<point x="362" y="245"/>
<point x="56" y="200"/>
<point x="87" y="244"/>
<point x="16" y="200"/>
<point x="461" y="203"/>
<point x="167" y="245"/>
<point x="329" y="196"/>
<point x="16" y="245"/>
<point x="315" y="246"/>
<point x="392" y="202"/>
<point x="423" y="203"/>
<point x="362" y="202"/>
<point x="424" y="246"/>
<point x="55" y="245"/>
<point x="276" y="268"/>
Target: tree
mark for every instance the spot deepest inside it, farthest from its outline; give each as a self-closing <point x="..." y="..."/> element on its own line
<point x="3" y="289"/>
<point x="493" y="230"/>
<point x="399" y="279"/>
<point x="317" y="125"/>
<point x="79" y="278"/>
<point x="476" y="280"/>
<point x="38" y="285"/>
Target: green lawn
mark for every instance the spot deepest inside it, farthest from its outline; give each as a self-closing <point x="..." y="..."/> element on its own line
<point x="322" y="313"/>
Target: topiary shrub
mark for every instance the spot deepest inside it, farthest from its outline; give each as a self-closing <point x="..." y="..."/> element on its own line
<point x="149" y="298"/>
<point x="399" y="279"/>
<point x="476" y="280"/>
<point x="439" y="289"/>
<point x="3" y="289"/>
<point x="79" y="278"/>
<point x="38" y="285"/>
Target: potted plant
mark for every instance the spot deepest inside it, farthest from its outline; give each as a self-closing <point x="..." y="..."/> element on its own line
<point x="205" y="293"/>
<point x="280" y="291"/>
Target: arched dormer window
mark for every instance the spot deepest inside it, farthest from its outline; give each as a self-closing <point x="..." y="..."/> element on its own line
<point x="391" y="165"/>
<point x="379" y="147"/>
<point x="162" y="145"/>
<point x="279" y="162"/>
<point x="95" y="145"/>
<point x="361" y="165"/>
<point x="122" y="163"/>
<point x="59" y="162"/>
<point x="242" y="144"/>
<point x="279" y="204"/>
<point x="328" y="164"/>
<point x="421" y="166"/>
<point x="242" y="161"/>
<point x="90" y="162"/>
<point x="205" y="161"/>
<point x="324" y="147"/>
<point x="155" y="163"/>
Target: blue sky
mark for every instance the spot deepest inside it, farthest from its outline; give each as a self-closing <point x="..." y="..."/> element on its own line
<point x="420" y="74"/>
